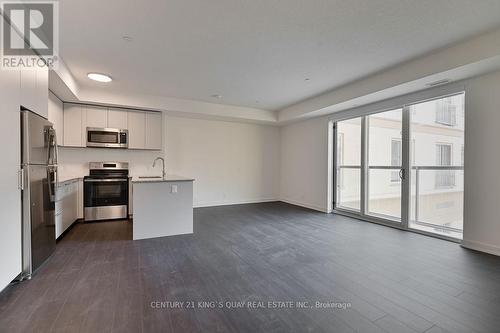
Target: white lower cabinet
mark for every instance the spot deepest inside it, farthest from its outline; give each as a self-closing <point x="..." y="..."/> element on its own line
<point x="67" y="205"/>
<point x="79" y="210"/>
<point x="130" y="198"/>
<point x="59" y="226"/>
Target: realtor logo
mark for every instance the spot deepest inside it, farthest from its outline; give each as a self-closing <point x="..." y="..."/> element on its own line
<point x="29" y="34"/>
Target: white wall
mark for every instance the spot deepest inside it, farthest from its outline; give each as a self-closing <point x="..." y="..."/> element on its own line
<point x="231" y="162"/>
<point x="304" y="164"/>
<point x="482" y="158"/>
<point x="74" y="162"/>
<point x="304" y="160"/>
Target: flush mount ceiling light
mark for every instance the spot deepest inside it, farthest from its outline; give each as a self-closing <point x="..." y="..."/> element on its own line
<point x="99" y="77"/>
<point x="127" y="38"/>
<point x="216" y="96"/>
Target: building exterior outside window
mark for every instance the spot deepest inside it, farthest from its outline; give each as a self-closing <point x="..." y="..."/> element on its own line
<point x="437" y="140"/>
<point x="444" y="178"/>
<point x="446" y="112"/>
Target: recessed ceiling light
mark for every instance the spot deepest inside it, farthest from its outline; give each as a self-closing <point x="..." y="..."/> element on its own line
<point x="99" y="77"/>
<point x="307" y="79"/>
<point x="216" y="96"/>
<point x="127" y="38"/>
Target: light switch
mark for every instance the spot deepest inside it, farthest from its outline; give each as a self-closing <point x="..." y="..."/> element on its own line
<point x="173" y="189"/>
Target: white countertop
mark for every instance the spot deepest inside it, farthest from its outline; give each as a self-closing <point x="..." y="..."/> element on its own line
<point x="168" y="178"/>
<point x="136" y="179"/>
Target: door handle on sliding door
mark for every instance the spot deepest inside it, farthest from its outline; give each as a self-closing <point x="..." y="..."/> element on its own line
<point x="402" y="174"/>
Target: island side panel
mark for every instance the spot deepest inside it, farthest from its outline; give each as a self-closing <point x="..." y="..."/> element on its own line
<point x="158" y="212"/>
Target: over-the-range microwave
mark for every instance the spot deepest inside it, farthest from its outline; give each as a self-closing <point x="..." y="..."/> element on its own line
<point x="107" y="137"/>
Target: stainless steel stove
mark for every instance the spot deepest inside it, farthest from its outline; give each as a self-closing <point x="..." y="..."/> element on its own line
<point x="106" y="191"/>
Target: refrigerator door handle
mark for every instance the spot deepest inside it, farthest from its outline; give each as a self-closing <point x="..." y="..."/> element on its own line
<point x="53" y="152"/>
<point x="52" y="182"/>
<point x="56" y="176"/>
<point x="20" y="179"/>
<point x="56" y="148"/>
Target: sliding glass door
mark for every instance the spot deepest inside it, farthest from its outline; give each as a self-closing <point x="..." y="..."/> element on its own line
<point x="348" y="164"/>
<point x="385" y="158"/>
<point x="437" y="159"/>
<point x="374" y="154"/>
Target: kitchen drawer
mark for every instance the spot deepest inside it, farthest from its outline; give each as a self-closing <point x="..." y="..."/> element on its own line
<point x="59" y="224"/>
<point x="66" y="206"/>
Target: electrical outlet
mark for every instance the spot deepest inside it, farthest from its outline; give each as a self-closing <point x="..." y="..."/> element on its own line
<point x="173" y="189"/>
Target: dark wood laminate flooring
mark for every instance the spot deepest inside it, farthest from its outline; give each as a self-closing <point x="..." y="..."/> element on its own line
<point x="99" y="280"/>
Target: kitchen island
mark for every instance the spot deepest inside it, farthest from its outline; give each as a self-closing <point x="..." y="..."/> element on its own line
<point x="162" y="206"/>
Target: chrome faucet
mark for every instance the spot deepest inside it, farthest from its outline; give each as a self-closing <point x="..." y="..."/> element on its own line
<point x="164" y="174"/>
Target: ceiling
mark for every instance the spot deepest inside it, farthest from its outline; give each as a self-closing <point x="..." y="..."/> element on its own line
<point x="256" y="53"/>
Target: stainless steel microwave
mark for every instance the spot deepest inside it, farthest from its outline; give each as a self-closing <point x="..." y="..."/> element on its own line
<point x="107" y="137"/>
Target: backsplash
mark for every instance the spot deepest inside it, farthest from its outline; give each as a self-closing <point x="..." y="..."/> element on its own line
<point x="74" y="162"/>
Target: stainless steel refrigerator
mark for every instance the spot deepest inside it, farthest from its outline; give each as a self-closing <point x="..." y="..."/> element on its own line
<point x="39" y="184"/>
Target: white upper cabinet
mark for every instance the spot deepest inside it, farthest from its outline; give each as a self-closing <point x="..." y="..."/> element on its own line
<point x="73" y="129"/>
<point x="144" y="127"/>
<point x="136" y="130"/>
<point x="117" y="119"/>
<point x="56" y="117"/>
<point x="96" y="116"/>
<point x="34" y="85"/>
<point x="153" y="130"/>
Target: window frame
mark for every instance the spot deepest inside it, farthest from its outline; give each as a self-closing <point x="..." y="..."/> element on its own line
<point x="395" y="174"/>
<point x="405" y="102"/>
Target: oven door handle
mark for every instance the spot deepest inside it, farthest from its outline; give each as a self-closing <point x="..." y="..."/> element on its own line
<point x="105" y="180"/>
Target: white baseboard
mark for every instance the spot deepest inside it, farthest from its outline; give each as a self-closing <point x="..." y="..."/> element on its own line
<point x="491" y="249"/>
<point x="228" y="203"/>
<point x="310" y="206"/>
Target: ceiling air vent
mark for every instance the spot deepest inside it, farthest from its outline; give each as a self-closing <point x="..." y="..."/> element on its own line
<point x="438" y="83"/>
